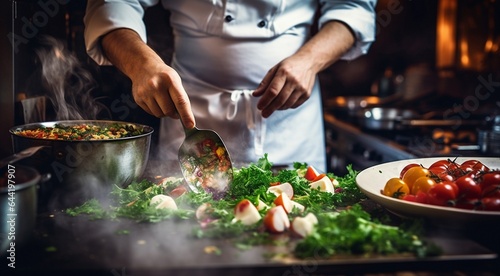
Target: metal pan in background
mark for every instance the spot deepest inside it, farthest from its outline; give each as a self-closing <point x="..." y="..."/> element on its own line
<point x="387" y="118"/>
<point x="383" y="118"/>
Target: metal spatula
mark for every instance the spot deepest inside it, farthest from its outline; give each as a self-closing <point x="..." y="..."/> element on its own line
<point x="205" y="162"/>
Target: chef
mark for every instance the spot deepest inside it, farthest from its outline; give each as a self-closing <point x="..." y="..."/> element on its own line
<point x="246" y="69"/>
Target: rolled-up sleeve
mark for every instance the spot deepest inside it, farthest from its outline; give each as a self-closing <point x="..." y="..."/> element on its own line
<point x="359" y="16"/>
<point x="103" y="16"/>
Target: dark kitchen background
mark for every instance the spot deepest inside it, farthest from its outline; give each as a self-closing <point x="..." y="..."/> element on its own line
<point x="438" y="59"/>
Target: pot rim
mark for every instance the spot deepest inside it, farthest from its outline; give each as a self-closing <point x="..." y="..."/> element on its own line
<point x="26" y="184"/>
<point x="148" y="130"/>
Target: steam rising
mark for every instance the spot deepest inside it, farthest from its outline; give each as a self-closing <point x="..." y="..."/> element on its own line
<point x="66" y="83"/>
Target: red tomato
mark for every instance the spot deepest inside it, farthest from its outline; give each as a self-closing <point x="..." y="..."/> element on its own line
<point x="311" y="173"/>
<point x="440" y="163"/>
<point x="440" y="173"/>
<point x="420" y="197"/>
<point x="451" y="167"/>
<point x="489" y="179"/>
<point x="410" y="197"/>
<point x="470" y="204"/>
<point x="491" y="203"/>
<point x="441" y="194"/>
<point x="452" y="185"/>
<point x="468" y="188"/>
<point x="491" y="191"/>
<point x="406" y="168"/>
<point x="474" y="165"/>
<point x="319" y="177"/>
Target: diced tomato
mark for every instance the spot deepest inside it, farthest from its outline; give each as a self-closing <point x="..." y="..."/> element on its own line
<point x="311" y="173"/>
<point x="319" y="177"/>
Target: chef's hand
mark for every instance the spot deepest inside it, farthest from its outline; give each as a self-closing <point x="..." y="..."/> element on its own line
<point x="286" y="85"/>
<point x="156" y="87"/>
<point x="158" y="90"/>
<point x="289" y="84"/>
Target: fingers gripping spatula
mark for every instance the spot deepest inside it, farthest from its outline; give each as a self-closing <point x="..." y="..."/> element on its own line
<point x="205" y="162"/>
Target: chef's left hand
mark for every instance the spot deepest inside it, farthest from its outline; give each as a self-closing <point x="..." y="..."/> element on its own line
<point x="287" y="85"/>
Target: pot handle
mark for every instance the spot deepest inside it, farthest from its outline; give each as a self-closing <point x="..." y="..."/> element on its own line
<point x="20" y="155"/>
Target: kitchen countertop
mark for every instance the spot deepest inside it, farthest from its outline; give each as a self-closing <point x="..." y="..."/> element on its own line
<point x="76" y="245"/>
<point x="65" y="245"/>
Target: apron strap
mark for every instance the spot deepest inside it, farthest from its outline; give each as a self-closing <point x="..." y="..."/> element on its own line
<point x="253" y="118"/>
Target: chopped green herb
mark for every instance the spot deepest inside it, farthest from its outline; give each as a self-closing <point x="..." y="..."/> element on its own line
<point x="344" y="227"/>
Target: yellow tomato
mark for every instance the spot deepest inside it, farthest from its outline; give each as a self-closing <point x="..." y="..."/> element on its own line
<point x="422" y="184"/>
<point x="395" y="187"/>
<point x="413" y="174"/>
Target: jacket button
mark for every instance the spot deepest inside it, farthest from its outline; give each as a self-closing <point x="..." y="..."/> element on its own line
<point x="261" y="24"/>
<point x="228" y="18"/>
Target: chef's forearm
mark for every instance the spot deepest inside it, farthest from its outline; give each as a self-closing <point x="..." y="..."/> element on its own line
<point x="328" y="45"/>
<point x="125" y="49"/>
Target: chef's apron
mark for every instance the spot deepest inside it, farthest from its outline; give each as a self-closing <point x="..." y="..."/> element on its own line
<point x="219" y="75"/>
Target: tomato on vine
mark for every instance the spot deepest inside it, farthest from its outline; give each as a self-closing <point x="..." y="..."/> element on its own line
<point x="396" y="188"/>
<point x="490" y="204"/>
<point x="468" y="187"/>
<point x="473" y="165"/>
<point x="491" y="178"/>
<point x="442" y="194"/>
<point x="422" y="184"/>
<point x="413" y="174"/>
<point x="406" y="168"/>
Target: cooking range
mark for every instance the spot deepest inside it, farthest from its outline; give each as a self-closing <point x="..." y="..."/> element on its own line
<point x="369" y="131"/>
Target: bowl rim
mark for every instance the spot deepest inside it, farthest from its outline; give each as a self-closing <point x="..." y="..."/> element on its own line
<point x="148" y="130"/>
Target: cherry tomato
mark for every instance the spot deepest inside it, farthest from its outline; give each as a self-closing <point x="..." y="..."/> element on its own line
<point x="422" y="184"/>
<point x="470" y="204"/>
<point x="468" y="188"/>
<point x="474" y="165"/>
<point x="491" y="203"/>
<point x="396" y="188"/>
<point x="413" y="174"/>
<point x="440" y="173"/>
<point x="406" y="168"/>
<point x="489" y="179"/>
<point x="453" y="185"/>
<point x="452" y="167"/>
<point x="410" y="197"/>
<point x="440" y="163"/>
<point x="420" y="197"/>
<point x="441" y="194"/>
<point x="491" y="191"/>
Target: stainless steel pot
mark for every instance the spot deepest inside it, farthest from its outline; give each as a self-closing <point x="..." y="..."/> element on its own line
<point x="85" y="169"/>
<point x="18" y="206"/>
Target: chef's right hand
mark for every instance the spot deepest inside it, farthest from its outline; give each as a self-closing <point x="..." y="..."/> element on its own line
<point x="158" y="90"/>
<point x="156" y="87"/>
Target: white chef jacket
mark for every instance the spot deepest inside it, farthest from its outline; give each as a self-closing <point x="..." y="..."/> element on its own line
<point x="223" y="49"/>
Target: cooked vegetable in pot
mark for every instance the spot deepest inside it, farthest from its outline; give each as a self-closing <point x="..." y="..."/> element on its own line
<point x="82" y="132"/>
